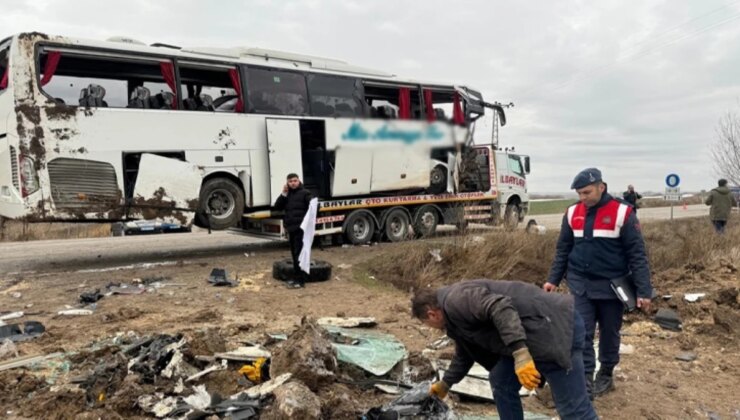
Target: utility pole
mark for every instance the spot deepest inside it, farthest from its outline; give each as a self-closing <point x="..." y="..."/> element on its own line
<point x="494" y="138"/>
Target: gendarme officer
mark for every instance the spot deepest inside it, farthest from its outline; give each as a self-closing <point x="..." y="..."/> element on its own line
<point x="600" y="240"/>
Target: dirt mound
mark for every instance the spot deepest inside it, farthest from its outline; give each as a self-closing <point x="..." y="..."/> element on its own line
<point x="308" y="355"/>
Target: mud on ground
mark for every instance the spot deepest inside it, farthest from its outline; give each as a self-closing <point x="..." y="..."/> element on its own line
<point x="651" y="383"/>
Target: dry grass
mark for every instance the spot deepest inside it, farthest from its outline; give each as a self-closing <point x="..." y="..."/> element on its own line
<point x="659" y="202"/>
<point x="13" y="230"/>
<point x="526" y="257"/>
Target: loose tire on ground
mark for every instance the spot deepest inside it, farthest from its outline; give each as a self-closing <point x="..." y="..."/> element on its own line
<point x="283" y="270"/>
<point x="426" y="220"/>
<point x="224" y="199"/>
<point x="359" y="227"/>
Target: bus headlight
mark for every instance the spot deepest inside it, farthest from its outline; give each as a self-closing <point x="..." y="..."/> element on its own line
<point x="29" y="176"/>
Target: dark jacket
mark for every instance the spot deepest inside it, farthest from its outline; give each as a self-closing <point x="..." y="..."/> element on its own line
<point x="489" y="319"/>
<point x="589" y="263"/>
<point x="295" y="205"/>
<point x="631" y="197"/>
<point x="722" y="202"/>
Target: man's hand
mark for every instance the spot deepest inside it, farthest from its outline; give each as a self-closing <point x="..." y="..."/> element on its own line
<point x="439" y="389"/>
<point x="525" y="370"/>
<point x="549" y="287"/>
<point x="644" y="304"/>
<point x="285" y="189"/>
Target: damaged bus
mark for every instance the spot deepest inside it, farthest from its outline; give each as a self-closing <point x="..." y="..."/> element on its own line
<point x="119" y="130"/>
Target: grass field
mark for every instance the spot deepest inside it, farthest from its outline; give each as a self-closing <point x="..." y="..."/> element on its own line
<point x="549" y="207"/>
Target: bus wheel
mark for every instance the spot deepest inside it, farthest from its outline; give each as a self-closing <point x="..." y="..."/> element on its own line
<point x="438" y="180"/>
<point x="397" y="225"/>
<point x="359" y="227"/>
<point x="425" y="221"/>
<point x="224" y="200"/>
<point x="511" y="217"/>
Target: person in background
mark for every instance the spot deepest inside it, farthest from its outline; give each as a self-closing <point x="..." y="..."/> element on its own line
<point x="631" y="196"/>
<point x="721" y="202"/>
<point x="294" y="201"/>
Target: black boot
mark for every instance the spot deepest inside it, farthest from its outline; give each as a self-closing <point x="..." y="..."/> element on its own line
<point x="604" y="382"/>
<point x="590" y="385"/>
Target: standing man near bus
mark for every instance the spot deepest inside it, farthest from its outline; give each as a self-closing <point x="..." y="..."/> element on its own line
<point x="294" y="201"/>
<point x="600" y="241"/>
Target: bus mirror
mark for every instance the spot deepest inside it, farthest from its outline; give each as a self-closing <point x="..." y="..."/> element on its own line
<point x="526" y="164"/>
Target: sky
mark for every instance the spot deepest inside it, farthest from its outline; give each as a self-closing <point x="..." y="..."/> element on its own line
<point x="635" y="88"/>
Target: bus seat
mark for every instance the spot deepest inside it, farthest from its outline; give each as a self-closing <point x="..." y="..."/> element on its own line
<point x="140" y="98"/>
<point x="190" y="104"/>
<point x="387" y="112"/>
<point x="206" y="103"/>
<point x="92" y="96"/>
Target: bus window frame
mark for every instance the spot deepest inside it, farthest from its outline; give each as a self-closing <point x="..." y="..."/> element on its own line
<point x="302" y="73"/>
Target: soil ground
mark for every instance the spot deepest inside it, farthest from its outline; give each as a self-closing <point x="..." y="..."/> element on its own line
<point x="650" y="382"/>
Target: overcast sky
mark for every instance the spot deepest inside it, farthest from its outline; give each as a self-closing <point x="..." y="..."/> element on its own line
<point x="633" y="87"/>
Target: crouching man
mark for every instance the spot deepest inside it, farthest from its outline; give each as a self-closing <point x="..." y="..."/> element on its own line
<point x="519" y="333"/>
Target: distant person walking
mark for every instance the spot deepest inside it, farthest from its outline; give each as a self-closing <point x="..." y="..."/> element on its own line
<point x="721" y="202"/>
<point x="631" y="196"/>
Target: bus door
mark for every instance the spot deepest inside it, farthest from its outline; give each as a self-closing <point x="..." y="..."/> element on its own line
<point x="284" y="152"/>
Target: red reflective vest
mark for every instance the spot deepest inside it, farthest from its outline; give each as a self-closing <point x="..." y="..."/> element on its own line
<point x="608" y="222"/>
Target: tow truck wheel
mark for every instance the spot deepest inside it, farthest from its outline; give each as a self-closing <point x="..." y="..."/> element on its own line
<point x="425" y="221"/>
<point x="224" y="200"/>
<point x="438" y="180"/>
<point x="397" y="225"/>
<point x="511" y="217"/>
<point x="359" y="227"/>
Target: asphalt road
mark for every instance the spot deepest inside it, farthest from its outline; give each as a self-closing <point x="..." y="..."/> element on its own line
<point x="553" y="221"/>
<point x="112" y="252"/>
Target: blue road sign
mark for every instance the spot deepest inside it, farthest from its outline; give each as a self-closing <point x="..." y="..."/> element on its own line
<point x="672" y="180"/>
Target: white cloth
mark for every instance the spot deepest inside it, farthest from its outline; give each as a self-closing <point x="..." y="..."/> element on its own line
<point x="308" y="225"/>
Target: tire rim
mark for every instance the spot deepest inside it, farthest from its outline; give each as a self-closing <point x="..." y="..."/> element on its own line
<point x="428" y="221"/>
<point x="437" y="176"/>
<point x="221" y="203"/>
<point x="360" y="228"/>
<point x="397" y="226"/>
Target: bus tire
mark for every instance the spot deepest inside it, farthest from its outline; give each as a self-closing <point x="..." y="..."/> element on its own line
<point x="359" y="227"/>
<point x="224" y="199"/>
<point x="438" y="180"/>
<point x="426" y="220"/>
<point x="283" y="270"/>
<point x="511" y="217"/>
<point x="397" y="225"/>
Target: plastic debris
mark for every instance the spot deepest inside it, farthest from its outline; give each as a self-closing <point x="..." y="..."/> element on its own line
<point x="75" y="312"/>
<point x="688" y="356"/>
<point x="257" y="371"/>
<point x="435" y="253"/>
<point x="245" y="354"/>
<point x="693" y="297"/>
<point x="11" y="315"/>
<point x="414" y="403"/>
<point x="626" y="348"/>
<point x="16" y="295"/>
<point x="351" y="322"/>
<point x="91" y="297"/>
<point x="668" y="319"/>
<point x="21" y="331"/>
<point x="218" y="277"/>
<point x="372" y="351"/>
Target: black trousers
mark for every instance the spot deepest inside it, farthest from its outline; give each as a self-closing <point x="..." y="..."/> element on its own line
<point x="295" y="239"/>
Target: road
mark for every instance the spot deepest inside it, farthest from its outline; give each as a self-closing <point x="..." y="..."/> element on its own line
<point x="553" y="221"/>
<point x="108" y="253"/>
<point x="97" y="253"/>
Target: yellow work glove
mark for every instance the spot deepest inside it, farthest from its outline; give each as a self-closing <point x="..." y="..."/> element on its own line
<point x="525" y="369"/>
<point x="439" y="389"/>
<point x="253" y="372"/>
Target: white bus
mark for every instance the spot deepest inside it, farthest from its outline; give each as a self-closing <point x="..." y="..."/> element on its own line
<point x="116" y="130"/>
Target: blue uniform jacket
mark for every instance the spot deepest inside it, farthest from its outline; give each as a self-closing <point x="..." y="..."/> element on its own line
<point x="589" y="263"/>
